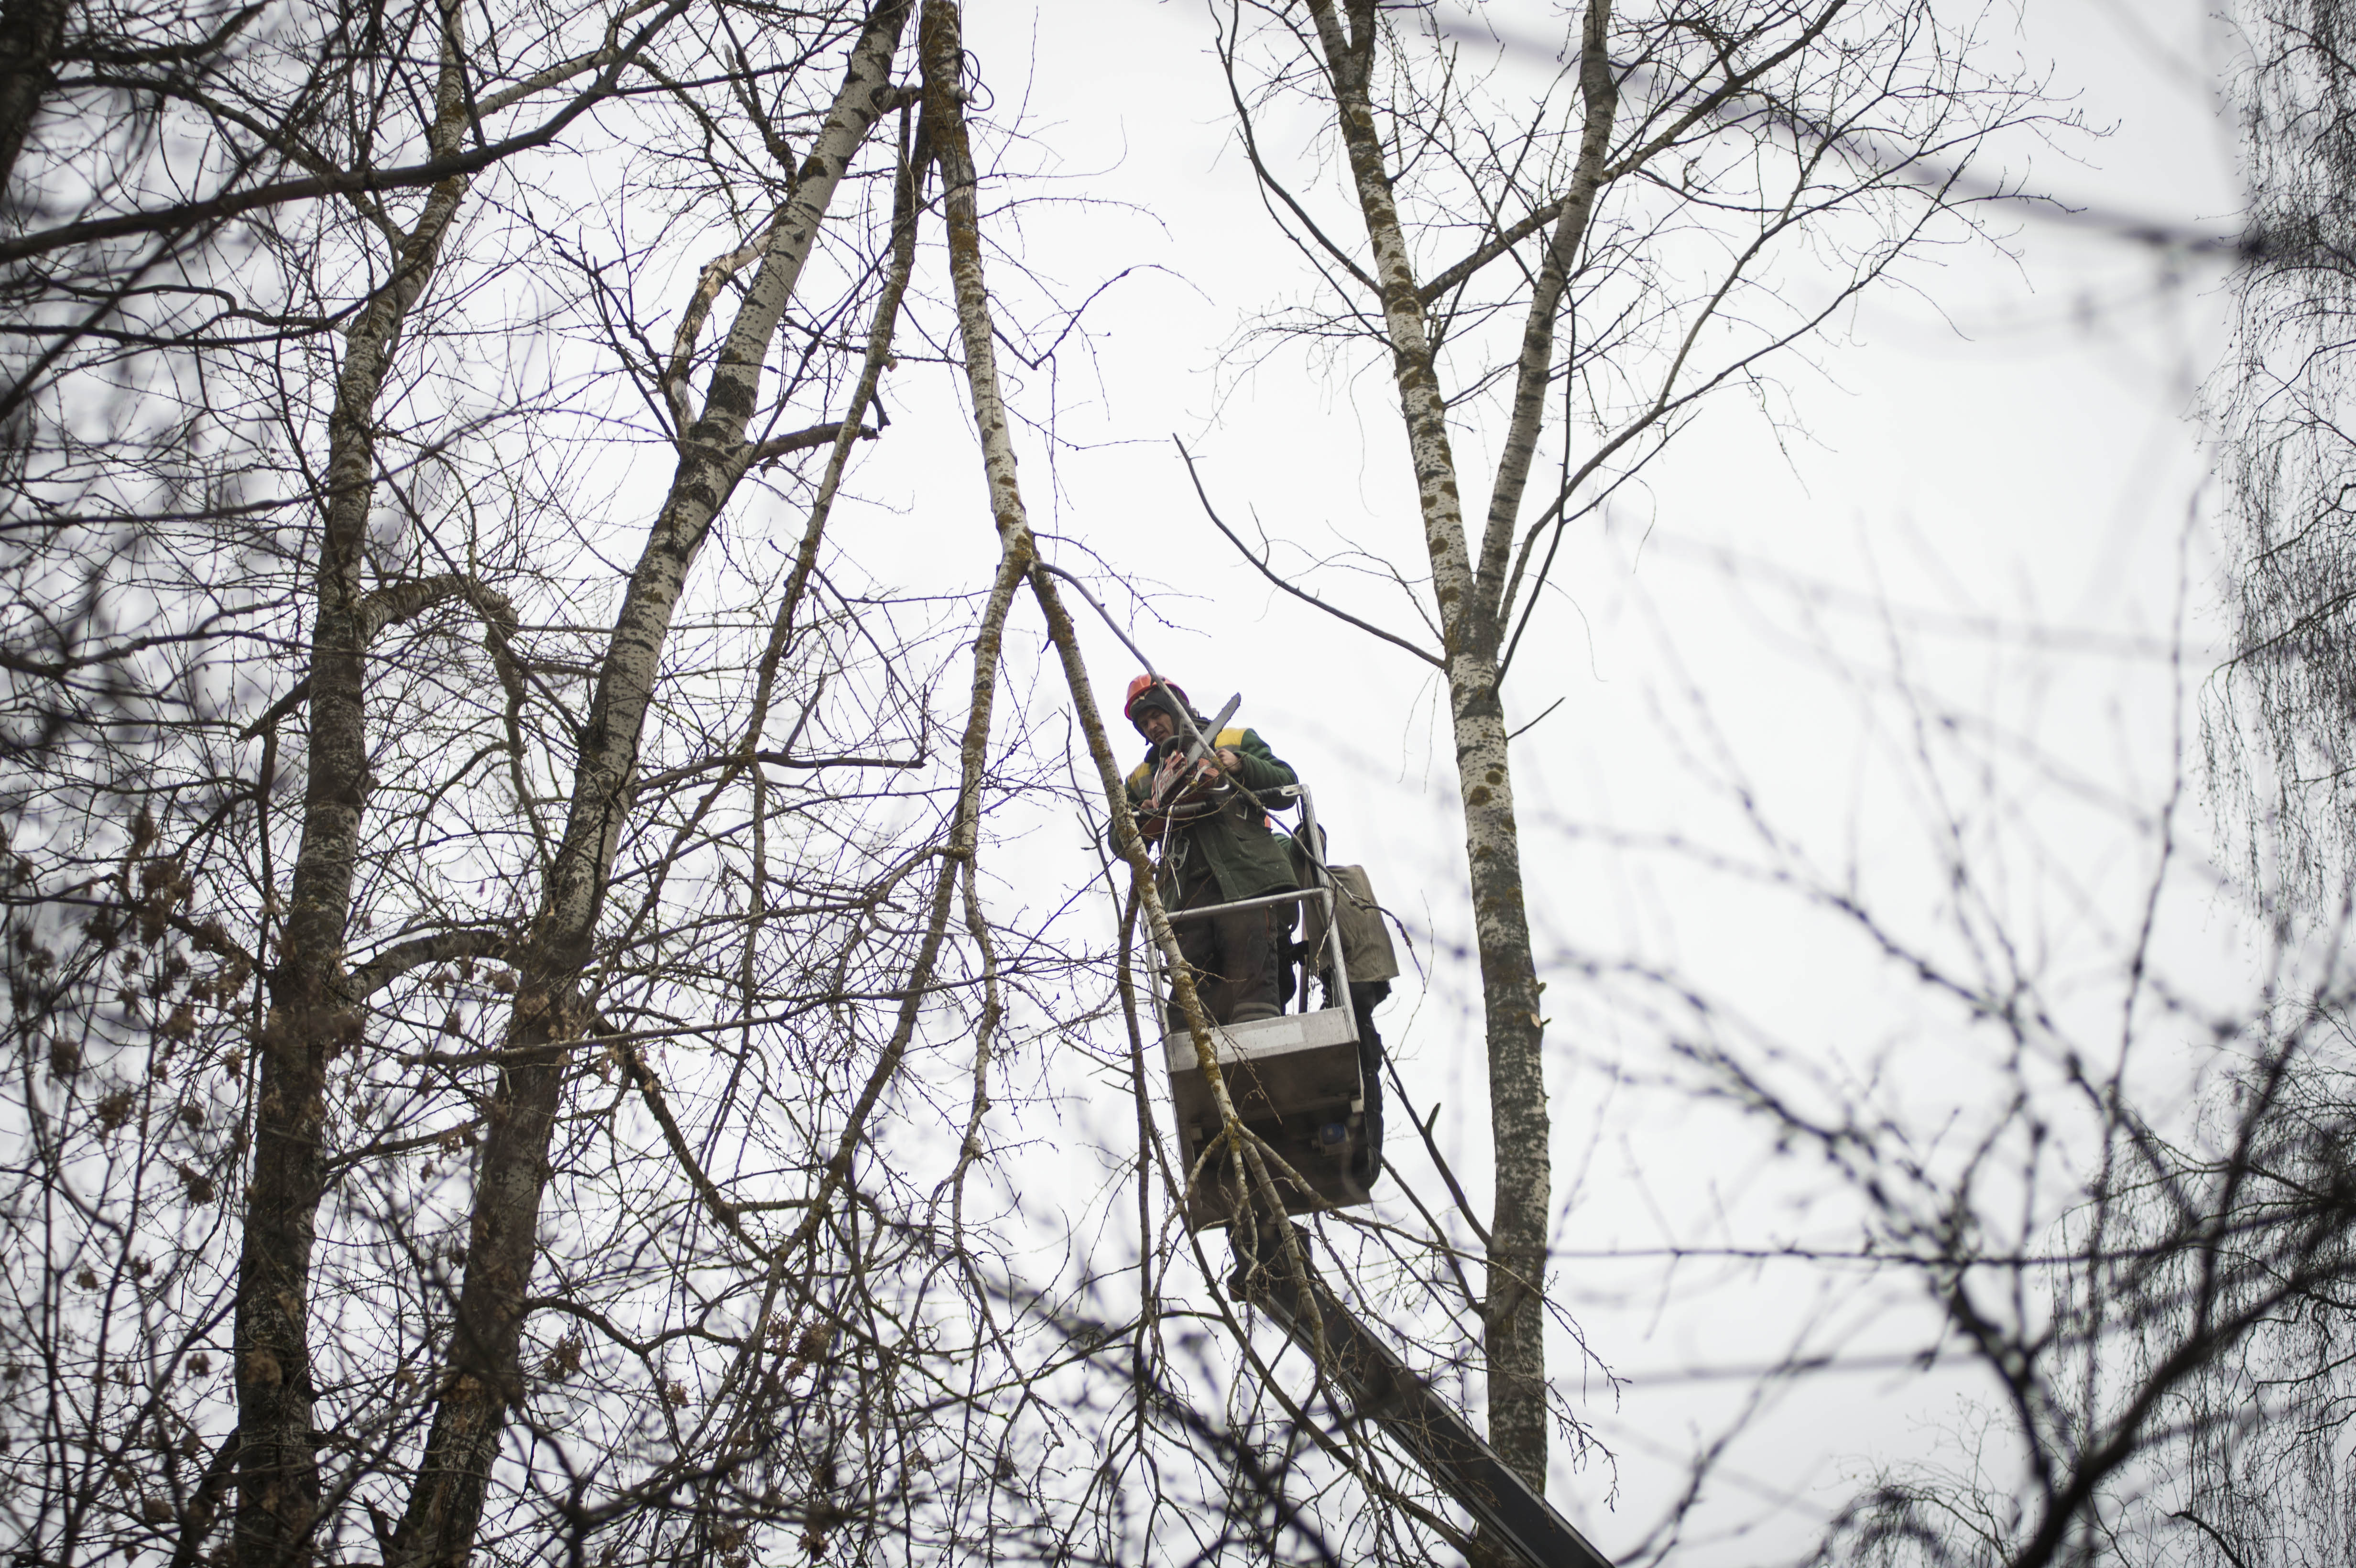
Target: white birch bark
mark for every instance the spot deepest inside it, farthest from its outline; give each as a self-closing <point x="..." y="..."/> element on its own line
<point x="1513" y="1317"/>
<point x="942" y="51"/>
<point x="1015" y="554"/>
<point x="1533" y="370"/>
<point x="481" y="1384"/>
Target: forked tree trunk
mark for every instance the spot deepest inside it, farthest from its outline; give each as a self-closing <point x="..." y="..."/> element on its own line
<point x="482" y="1381"/>
<point x="313" y="1013"/>
<point x="316" y="999"/>
<point x="1468" y="598"/>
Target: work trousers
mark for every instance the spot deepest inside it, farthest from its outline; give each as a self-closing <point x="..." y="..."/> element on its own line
<point x="1236" y="956"/>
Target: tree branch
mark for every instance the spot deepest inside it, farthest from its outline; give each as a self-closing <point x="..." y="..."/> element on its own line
<point x="775" y="759"/>
<point x="803" y="440"/>
<point x="187" y="215"/>
<point x="1302" y="594"/>
<point x="472" y="941"/>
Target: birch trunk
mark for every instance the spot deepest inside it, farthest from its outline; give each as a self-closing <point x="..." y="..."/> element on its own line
<point x="1533" y="370"/>
<point x="942" y="48"/>
<point x="482" y="1381"/>
<point x="1513" y="1317"/>
<point x="313" y="1010"/>
<point x="1016" y="552"/>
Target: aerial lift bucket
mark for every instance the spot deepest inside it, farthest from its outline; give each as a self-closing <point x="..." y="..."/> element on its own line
<point x="1299" y="1080"/>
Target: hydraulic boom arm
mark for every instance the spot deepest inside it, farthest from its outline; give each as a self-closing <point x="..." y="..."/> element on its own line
<point x="1383" y="1389"/>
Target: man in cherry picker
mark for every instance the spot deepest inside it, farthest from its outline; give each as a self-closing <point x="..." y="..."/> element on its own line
<point x="1215" y="848"/>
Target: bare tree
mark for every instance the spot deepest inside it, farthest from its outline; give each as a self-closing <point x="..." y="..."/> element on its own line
<point x="2163" y="1355"/>
<point x="434" y="541"/>
<point x="1515" y="271"/>
<point x="2279" y="743"/>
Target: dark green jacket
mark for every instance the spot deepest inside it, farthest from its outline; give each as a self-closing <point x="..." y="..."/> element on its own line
<point x="1234" y="842"/>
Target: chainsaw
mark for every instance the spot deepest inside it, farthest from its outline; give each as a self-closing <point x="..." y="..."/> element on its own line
<point x="1189" y="785"/>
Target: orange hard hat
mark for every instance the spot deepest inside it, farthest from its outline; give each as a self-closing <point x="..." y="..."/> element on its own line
<point x="1143" y="683"/>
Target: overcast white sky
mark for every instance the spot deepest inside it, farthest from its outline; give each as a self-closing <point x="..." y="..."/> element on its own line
<point x="2012" y="447"/>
